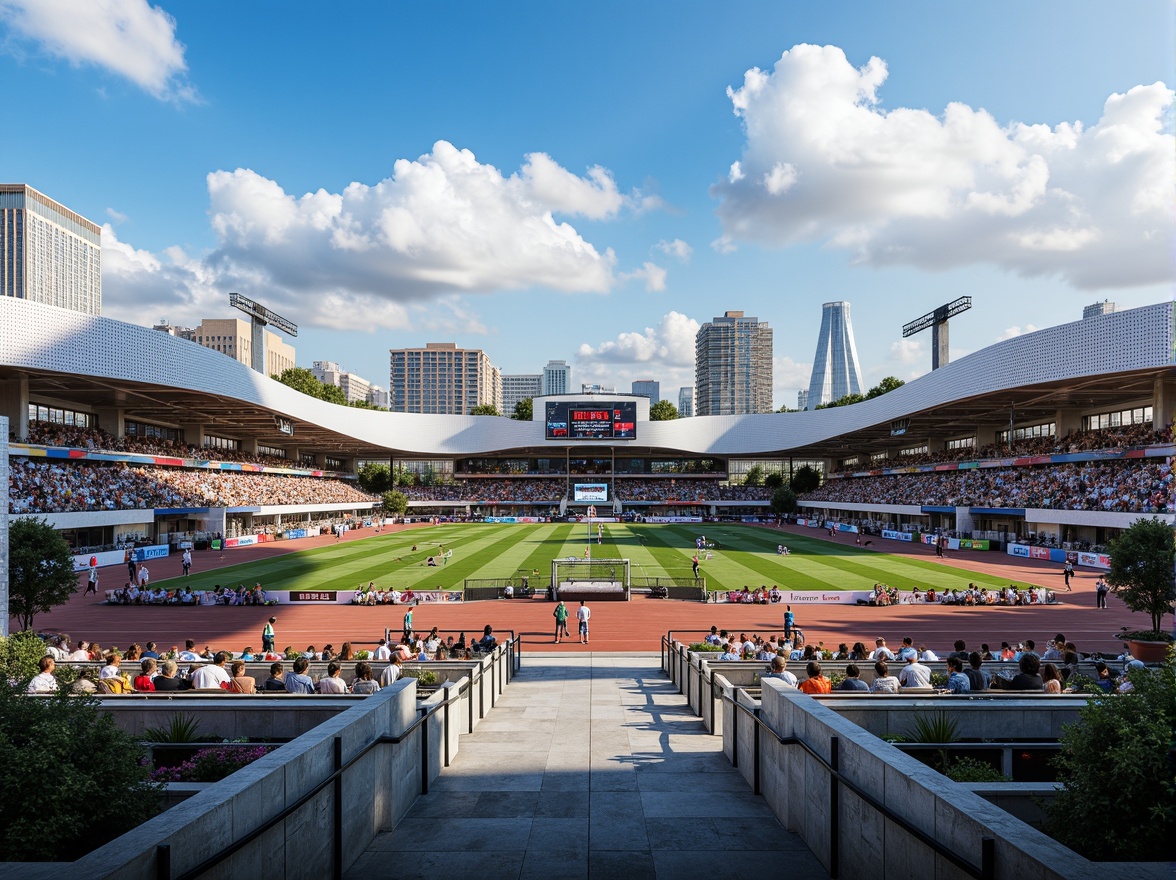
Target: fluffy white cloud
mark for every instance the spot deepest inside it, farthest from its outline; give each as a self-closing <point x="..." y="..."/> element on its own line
<point x="825" y="162"/>
<point x="652" y="274"/>
<point x="676" y="248"/>
<point x="128" y="37"/>
<point x="670" y="344"/>
<point x="443" y="224"/>
<point x="1014" y="331"/>
<point x="789" y="377"/>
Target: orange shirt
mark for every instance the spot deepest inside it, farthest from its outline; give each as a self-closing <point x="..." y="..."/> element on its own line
<point x="818" y="685"/>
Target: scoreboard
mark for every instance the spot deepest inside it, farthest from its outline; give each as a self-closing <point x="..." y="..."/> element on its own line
<point x="593" y="420"/>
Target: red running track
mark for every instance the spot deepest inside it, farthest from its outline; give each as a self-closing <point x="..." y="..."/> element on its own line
<point x="616" y="626"/>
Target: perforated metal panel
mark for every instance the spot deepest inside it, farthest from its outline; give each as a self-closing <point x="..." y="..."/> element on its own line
<point x="47" y="338"/>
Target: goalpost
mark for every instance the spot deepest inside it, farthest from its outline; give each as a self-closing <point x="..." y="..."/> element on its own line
<point x="591" y="578"/>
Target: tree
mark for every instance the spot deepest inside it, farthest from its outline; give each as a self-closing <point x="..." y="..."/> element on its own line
<point x="1114" y="762"/>
<point x="842" y="401"/>
<point x="301" y="379"/>
<point x="774" y="480"/>
<point x="1141" y="573"/>
<point x="395" y="503"/>
<point x="524" y="410"/>
<point x="402" y="476"/>
<point x="485" y="409"/>
<point x="59" y="756"/>
<point x="754" y="476"/>
<point x="783" y="501"/>
<point x="40" y="570"/>
<point x="884" y="387"/>
<point x="663" y="411"/>
<point x="374" y="477"/>
<point x="332" y="394"/>
<point x="805" y="479"/>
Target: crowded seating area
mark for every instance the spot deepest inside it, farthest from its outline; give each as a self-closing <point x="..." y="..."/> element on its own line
<point x="54" y="434"/>
<point x="1122" y="437"/>
<point x="1130" y="486"/>
<point x="56" y="486"/>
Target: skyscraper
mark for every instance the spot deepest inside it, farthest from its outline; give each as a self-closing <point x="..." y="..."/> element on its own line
<point x="686" y="401"/>
<point x="650" y="388"/>
<point x="557" y="378"/>
<point x="442" y="378"/>
<point x="519" y="387"/>
<point x="48" y="254"/>
<point x="355" y="388"/>
<point x="733" y="366"/>
<point x="835" y="365"/>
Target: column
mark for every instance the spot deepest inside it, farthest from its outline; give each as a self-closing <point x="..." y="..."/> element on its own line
<point x="14" y="406"/>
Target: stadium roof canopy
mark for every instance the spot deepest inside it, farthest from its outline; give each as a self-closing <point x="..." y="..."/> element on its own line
<point x="1103" y="363"/>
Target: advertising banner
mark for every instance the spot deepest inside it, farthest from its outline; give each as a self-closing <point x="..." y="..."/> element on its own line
<point x="975" y="544"/>
<point x="155" y="551"/>
<point x="106" y="557"/>
<point x="1018" y="550"/>
<point x="897" y="536"/>
<point x="812" y="597"/>
<point x="243" y="541"/>
<point x="347" y="597"/>
<point x="291" y="534"/>
<point x="526" y="519"/>
<point x="1039" y="553"/>
<point x="1094" y="560"/>
<point x="673" y="519"/>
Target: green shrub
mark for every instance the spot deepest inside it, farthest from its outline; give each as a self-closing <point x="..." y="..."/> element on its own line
<point x="705" y="648"/>
<point x="973" y="770"/>
<point x="1119" y="799"/>
<point x="182" y="728"/>
<point x="62" y="758"/>
<point x="20" y="655"/>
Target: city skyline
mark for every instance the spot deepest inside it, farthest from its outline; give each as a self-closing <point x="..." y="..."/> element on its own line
<point x="453" y="192"/>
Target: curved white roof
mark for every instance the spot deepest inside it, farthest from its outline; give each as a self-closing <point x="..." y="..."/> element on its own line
<point x="38" y="338"/>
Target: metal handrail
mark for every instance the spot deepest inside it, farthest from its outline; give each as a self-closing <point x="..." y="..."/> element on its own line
<point x="986" y="870"/>
<point x="163" y="852"/>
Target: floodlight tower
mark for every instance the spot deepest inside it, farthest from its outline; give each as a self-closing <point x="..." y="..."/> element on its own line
<point x="937" y="321"/>
<point x="260" y="317"/>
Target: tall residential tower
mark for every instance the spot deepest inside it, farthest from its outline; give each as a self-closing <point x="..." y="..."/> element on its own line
<point x="442" y="378"/>
<point x="733" y="366"/>
<point x="835" y="365"/>
<point x="48" y="254"/>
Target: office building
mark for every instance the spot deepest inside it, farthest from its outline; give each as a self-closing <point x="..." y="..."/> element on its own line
<point x="188" y="333"/>
<point x="802" y="399"/>
<point x="650" y="388"/>
<point x="355" y="388"/>
<point x="1106" y="307"/>
<point x="733" y="366"/>
<point x="234" y="337"/>
<point x="48" y="254"/>
<point x="557" y="378"/>
<point x="686" y="401"/>
<point x="835" y="365"/>
<point x="519" y="387"/>
<point x="443" y="379"/>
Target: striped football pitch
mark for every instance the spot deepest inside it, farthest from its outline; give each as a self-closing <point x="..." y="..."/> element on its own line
<point x="741" y="556"/>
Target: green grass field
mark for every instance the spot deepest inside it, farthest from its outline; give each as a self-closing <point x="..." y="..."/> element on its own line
<point x="743" y="555"/>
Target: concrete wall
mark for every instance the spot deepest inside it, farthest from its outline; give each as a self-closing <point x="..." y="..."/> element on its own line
<point x="377" y="791"/>
<point x="797" y="787"/>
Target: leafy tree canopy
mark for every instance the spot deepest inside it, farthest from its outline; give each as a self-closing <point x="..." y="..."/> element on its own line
<point x="663" y="411"/>
<point x="884" y="387"/>
<point x="754" y="476"/>
<point x="1141" y="572"/>
<point x="59" y="757"/>
<point x="805" y="479"/>
<point x="774" y="480"/>
<point x="523" y="410"/>
<point x="1115" y="762"/>
<point x="783" y="500"/>
<point x="485" y="409"/>
<point x="302" y="379"/>
<point x="375" y="477"/>
<point x="395" y="503"/>
<point x="40" y="570"/>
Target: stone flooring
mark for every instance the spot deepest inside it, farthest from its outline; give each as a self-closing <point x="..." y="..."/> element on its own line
<point x="590" y="766"/>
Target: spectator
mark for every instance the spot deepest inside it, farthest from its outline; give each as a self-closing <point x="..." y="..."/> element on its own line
<point x="212" y="675"/>
<point x="44" y="682"/>
<point x="884" y="682"/>
<point x="331" y="683"/>
<point x="240" y="683"/>
<point x="957" y="682"/>
<point x="816" y="683"/>
<point x="915" y="674"/>
<point x="145" y="681"/>
<point x="276" y="681"/>
<point x="167" y="679"/>
<point x="363" y="683"/>
<point x="1028" y="679"/>
<point x="298" y="682"/>
<point x="852" y="680"/>
<point x="977" y="677"/>
<point x="779" y="669"/>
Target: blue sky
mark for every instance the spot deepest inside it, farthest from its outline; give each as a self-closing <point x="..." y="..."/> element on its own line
<point x="592" y="182"/>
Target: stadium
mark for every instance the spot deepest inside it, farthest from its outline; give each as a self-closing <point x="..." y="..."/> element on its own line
<point x="1042" y="447"/>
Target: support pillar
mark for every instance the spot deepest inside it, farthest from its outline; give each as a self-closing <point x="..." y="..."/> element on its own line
<point x="110" y="420"/>
<point x="14" y="408"/>
<point x="1163" y="403"/>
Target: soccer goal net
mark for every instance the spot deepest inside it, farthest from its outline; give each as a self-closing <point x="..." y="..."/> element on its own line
<point x="602" y="578"/>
